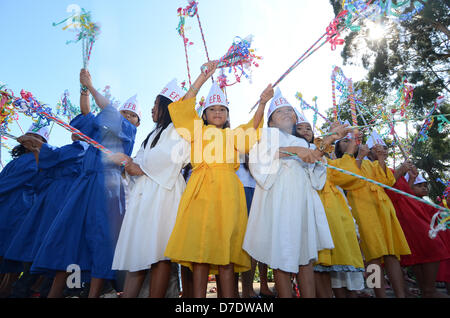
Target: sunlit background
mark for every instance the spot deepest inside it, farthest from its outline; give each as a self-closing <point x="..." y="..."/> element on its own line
<point x="139" y="51"/>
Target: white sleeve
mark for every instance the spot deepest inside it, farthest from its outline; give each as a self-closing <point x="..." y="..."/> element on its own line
<point x="264" y="163"/>
<point x="317" y="173"/>
<point x="164" y="162"/>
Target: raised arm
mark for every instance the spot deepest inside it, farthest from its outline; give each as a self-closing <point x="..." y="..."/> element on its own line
<point x="362" y="153"/>
<point x="403" y="169"/>
<point x="85" y="103"/>
<point x="266" y="95"/>
<point x="201" y="80"/>
<point x="413" y="174"/>
<point x="381" y="156"/>
<point x="86" y="81"/>
<point x="338" y="132"/>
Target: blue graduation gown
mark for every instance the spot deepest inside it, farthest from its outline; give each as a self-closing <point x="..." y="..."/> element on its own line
<point x="61" y="167"/>
<point x="86" y="229"/>
<point x="16" y="197"/>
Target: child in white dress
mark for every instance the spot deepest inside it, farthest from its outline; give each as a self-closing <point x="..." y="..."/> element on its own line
<point x="155" y="192"/>
<point x="286" y="206"/>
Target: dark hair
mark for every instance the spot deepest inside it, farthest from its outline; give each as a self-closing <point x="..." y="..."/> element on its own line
<point x="246" y="162"/>
<point x="186" y="171"/>
<point x="18" y="151"/>
<point x="269" y="120"/>
<point x="164" y="120"/>
<point x="337" y="150"/>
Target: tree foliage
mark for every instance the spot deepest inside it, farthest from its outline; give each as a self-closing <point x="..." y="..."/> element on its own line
<point x="417" y="49"/>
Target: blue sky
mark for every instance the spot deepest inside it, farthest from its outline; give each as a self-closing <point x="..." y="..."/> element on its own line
<point x="139" y="51"/>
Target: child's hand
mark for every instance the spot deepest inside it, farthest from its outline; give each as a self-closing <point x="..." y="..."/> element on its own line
<point x="309" y="155"/>
<point x="31" y="143"/>
<point x="363" y="152"/>
<point x="85" y="78"/>
<point x="406" y="166"/>
<point x="282" y="154"/>
<point x="267" y="94"/>
<point x="120" y="159"/>
<point x="380" y="152"/>
<point x="413" y="173"/>
<point x="209" y="68"/>
<point x="340" y="131"/>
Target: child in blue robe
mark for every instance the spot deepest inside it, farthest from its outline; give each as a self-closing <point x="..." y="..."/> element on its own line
<point x="16" y="198"/>
<point x="61" y="167"/>
<point x="85" y="231"/>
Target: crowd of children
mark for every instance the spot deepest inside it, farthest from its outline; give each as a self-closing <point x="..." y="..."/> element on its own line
<point x="214" y="200"/>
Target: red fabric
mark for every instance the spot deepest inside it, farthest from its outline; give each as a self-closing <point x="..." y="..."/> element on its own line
<point x="444" y="268"/>
<point x="444" y="272"/>
<point x="415" y="218"/>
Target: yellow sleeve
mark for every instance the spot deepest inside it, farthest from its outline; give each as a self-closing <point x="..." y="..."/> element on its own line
<point x="345" y="181"/>
<point x="186" y="120"/>
<point x="246" y="136"/>
<point x="385" y="177"/>
<point x="372" y="170"/>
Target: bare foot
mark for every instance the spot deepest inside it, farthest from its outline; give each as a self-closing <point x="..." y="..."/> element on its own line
<point x="412" y="293"/>
<point x="266" y="292"/>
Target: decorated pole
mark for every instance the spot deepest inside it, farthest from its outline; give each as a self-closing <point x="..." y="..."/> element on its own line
<point x="333" y="93"/>
<point x="353" y="110"/>
<point x="389" y="122"/>
<point x="305" y="105"/>
<point x="28" y="105"/>
<point x="444" y="212"/>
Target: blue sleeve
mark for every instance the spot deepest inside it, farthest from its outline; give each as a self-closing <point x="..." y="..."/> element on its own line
<point x="50" y="156"/>
<point x="128" y="135"/>
<point x="84" y="123"/>
<point x="21" y="171"/>
<point x="111" y="120"/>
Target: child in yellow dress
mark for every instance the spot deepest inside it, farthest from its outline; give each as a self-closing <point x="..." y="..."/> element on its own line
<point x="346" y="255"/>
<point x="382" y="238"/>
<point x="212" y="214"/>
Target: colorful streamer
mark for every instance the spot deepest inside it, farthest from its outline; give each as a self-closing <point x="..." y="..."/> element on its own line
<point x="65" y="107"/>
<point x="87" y="32"/>
<point x="442" y="122"/>
<point x="429" y="121"/>
<point x="28" y="105"/>
<point x="7" y="112"/>
<point x="304" y="105"/>
<point x="443" y="216"/>
<point x="239" y="58"/>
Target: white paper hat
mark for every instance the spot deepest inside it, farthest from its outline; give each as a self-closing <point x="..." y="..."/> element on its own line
<point x="375" y="139"/>
<point x="215" y="97"/>
<point x="301" y="118"/>
<point x="278" y="101"/>
<point x="172" y="91"/>
<point x="43" y="132"/>
<point x="419" y="179"/>
<point x="132" y="105"/>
